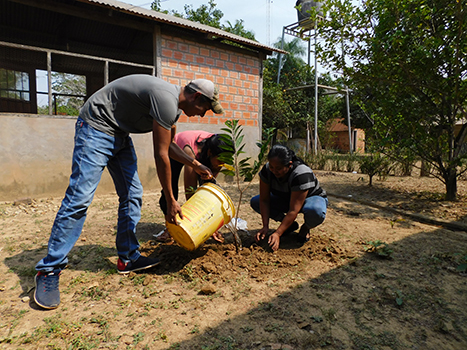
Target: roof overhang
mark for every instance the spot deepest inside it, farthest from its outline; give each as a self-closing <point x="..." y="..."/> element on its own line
<point x="183" y="23"/>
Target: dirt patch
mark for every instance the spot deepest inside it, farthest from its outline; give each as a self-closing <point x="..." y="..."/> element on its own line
<point x="337" y="291"/>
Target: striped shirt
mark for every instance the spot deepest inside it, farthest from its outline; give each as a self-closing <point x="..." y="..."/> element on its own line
<point x="299" y="178"/>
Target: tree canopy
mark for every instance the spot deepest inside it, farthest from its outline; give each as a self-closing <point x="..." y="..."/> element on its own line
<point x="406" y="62"/>
<point x="70" y="93"/>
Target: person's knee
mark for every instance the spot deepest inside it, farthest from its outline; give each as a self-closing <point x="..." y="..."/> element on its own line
<point x="314" y="217"/>
<point x="136" y="194"/>
<point x="254" y="203"/>
<point x="133" y="195"/>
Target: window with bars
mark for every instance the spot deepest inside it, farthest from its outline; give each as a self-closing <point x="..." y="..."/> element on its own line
<point x="14" y="85"/>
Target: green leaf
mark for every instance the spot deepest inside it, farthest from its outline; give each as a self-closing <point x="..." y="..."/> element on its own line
<point x="244" y="161"/>
<point x="238" y="141"/>
<point x="227" y="172"/>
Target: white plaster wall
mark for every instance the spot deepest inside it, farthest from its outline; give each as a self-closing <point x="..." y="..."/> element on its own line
<point x="36" y="151"/>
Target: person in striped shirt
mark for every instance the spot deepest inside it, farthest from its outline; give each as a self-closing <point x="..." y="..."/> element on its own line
<point x="288" y="187"/>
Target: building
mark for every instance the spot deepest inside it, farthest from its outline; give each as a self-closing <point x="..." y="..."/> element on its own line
<point x="104" y="40"/>
<point x="340" y="137"/>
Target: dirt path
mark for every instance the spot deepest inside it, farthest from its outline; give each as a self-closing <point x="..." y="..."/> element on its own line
<point x="331" y="293"/>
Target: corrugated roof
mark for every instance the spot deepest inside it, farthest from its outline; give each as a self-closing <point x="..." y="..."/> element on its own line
<point x="181" y="22"/>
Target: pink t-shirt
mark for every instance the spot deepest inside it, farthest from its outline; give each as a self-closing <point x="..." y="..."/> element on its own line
<point x="189" y="138"/>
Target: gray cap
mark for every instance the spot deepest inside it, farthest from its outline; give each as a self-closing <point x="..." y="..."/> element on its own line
<point x="207" y="88"/>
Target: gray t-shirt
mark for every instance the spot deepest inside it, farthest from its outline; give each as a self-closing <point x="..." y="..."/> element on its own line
<point x="131" y="104"/>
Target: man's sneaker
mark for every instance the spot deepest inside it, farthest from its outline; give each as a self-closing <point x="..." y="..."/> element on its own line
<point x="141" y="263"/>
<point x="47" y="294"/>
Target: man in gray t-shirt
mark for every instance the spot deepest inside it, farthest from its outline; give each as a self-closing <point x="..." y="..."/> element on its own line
<point x="132" y="104"/>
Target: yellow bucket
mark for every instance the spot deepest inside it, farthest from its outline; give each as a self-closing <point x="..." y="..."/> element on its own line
<point x="203" y="214"/>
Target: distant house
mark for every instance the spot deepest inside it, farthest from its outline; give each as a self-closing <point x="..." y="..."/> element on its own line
<point x="457" y="129"/>
<point x="340" y="137"/>
<point x="103" y="40"/>
<point x="458" y="126"/>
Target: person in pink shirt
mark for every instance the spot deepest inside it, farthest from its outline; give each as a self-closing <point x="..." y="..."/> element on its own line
<point x="204" y="147"/>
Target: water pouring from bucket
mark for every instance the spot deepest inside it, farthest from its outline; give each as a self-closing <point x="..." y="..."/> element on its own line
<point x="207" y="210"/>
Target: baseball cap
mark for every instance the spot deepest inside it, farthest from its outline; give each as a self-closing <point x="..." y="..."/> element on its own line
<point x="207" y="88"/>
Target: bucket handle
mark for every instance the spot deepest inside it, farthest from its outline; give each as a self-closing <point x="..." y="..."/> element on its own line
<point x="215" y="192"/>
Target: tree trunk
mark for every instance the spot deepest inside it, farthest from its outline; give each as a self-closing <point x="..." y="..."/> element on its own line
<point x="407" y="168"/>
<point x="425" y="169"/>
<point x="451" y="186"/>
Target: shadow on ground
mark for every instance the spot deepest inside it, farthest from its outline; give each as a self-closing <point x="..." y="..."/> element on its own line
<point x="416" y="299"/>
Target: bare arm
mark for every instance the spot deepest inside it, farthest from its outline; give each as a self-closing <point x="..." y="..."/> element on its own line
<point x="161" y="141"/>
<point x="297" y="199"/>
<point x="179" y="155"/>
<point x="264" y="198"/>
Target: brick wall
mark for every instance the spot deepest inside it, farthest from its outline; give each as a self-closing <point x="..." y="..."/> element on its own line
<point x="236" y="75"/>
<point x="43" y="170"/>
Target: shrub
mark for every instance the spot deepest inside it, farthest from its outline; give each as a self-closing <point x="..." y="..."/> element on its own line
<point x="374" y="164"/>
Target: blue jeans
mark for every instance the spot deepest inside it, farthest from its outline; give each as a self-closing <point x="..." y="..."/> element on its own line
<point x="95" y="150"/>
<point x="313" y="210"/>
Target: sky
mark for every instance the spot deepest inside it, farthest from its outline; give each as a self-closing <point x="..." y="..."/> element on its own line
<point x="254" y="13"/>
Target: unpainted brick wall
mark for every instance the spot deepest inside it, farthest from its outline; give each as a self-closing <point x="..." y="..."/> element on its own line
<point x="236" y="75"/>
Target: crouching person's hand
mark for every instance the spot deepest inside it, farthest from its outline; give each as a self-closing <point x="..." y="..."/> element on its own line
<point x="218" y="237"/>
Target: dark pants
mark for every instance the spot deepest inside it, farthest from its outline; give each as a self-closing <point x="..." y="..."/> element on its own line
<point x="176" y="170"/>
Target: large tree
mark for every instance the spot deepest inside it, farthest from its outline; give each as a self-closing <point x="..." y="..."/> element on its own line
<point x="407" y="63"/>
<point x="283" y="107"/>
<point x="205" y="14"/>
